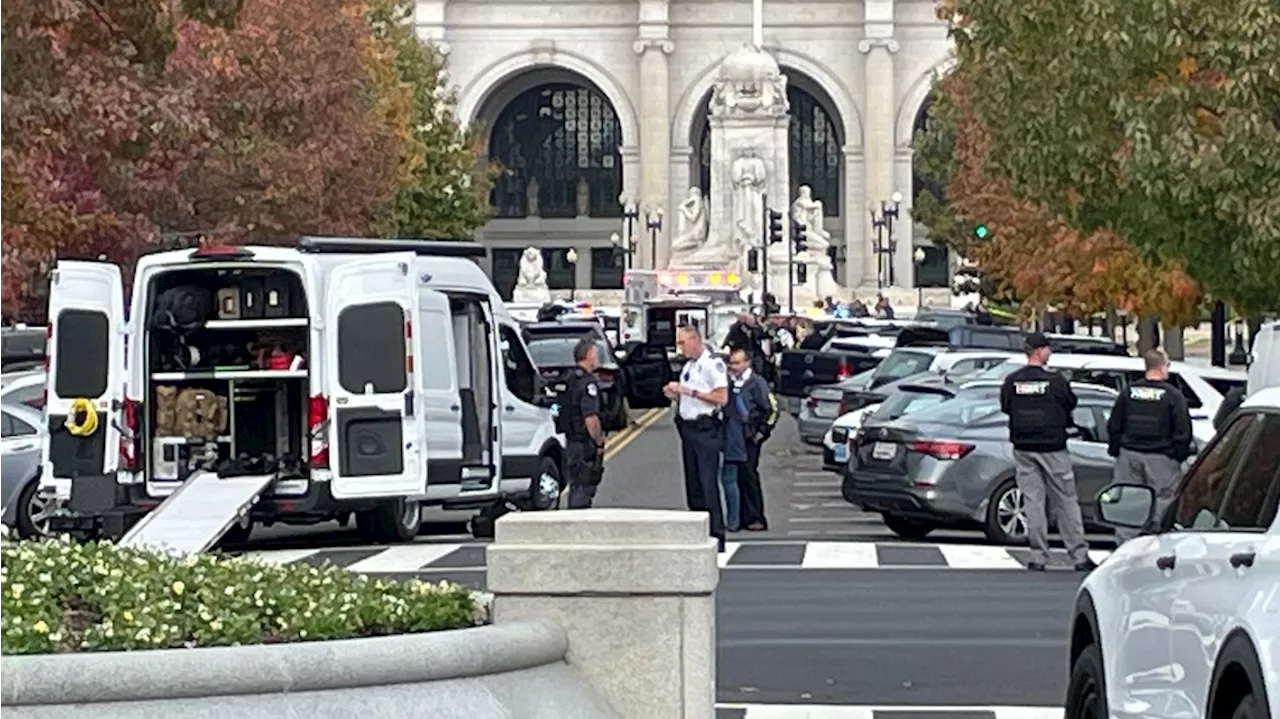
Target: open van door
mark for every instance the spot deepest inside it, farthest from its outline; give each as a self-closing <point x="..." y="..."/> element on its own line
<point x="86" y="363"/>
<point x="377" y="445"/>
<point x="442" y="405"/>
<point x="647" y="370"/>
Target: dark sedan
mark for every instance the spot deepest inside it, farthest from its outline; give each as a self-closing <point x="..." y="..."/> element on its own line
<point x="952" y="466"/>
<point x="551" y="349"/>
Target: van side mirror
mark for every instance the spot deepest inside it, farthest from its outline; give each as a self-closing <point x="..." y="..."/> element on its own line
<point x="1128" y="506"/>
<point x="620" y="354"/>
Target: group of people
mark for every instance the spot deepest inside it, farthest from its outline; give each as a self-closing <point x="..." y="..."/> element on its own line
<point x="1149" y="434"/>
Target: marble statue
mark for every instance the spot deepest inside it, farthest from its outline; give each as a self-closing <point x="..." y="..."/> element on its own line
<point x="531" y="282"/>
<point x="809" y="211"/>
<point x="749" y="83"/>
<point x="748" y="177"/>
<point x="531" y="198"/>
<point x="692" y="224"/>
<point x="584" y="197"/>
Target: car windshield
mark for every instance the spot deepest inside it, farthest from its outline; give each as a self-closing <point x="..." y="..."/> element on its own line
<point x="558" y="351"/>
<point x="902" y="363"/>
<point x="1000" y="371"/>
<point x="962" y="410"/>
<point x="907" y="401"/>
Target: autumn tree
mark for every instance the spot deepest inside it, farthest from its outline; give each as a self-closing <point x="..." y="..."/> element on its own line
<point x="1158" y="120"/>
<point x="1029" y="253"/>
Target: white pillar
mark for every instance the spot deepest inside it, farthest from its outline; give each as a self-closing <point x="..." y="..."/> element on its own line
<point x="654" y="46"/>
<point x="635" y="591"/>
<point x="905" y="230"/>
<point x="879" y="47"/>
<point x="858" y="255"/>
<point x="429" y="23"/>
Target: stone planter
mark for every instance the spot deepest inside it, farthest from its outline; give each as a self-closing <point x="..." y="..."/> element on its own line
<point x="514" y="670"/>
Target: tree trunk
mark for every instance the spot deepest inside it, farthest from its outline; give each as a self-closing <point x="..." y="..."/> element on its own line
<point x="1147" y="327"/>
<point x="1174" y="343"/>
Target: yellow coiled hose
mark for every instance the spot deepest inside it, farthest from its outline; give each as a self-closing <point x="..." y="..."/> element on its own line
<point x="82" y="418"/>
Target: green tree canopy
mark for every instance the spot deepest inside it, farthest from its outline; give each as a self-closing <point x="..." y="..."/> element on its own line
<point x="1156" y="119"/>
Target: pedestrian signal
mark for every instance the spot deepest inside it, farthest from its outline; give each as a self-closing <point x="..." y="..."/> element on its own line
<point x="802" y="273"/>
<point x="775" y="226"/>
<point x="753" y="260"/>
<point x="797" y="236"/>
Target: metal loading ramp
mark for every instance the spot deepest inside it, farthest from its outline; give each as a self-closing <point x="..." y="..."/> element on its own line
<point x="196" y="515"/>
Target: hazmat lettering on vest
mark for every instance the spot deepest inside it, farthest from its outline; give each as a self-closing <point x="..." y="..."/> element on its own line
<point x="1031" y="387"/>
<point x="1146" y="394"/>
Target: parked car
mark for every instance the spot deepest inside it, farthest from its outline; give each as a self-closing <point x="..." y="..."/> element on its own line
<point x="22" y="348"/>
<point x="952" y="466"/>
<point x="816" y="412"/>
<point x="550" y="347"/>
<point x="21" y="436"/>
<point x="1181" y="621"/>
<point x="26" y="388"/>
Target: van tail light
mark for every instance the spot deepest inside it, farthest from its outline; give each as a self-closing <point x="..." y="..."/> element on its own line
<point x="408" y="342"/>
<point x="130" y="436"/>
<point x="843" y="370"/>
<point x="942" y="450"/>
<point x="318" y="431"/>
<point x="48" y="352"/>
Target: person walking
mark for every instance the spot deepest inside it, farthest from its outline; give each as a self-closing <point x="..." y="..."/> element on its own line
<point x="756" y="412"/>
<point x="701" y="393"/>
<point x="1039" y="404"/>
<point x="579" y="420"/>
<point x="1150" y="434"/>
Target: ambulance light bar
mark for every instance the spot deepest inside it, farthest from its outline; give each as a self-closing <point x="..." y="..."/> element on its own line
<point x="699" y="280"/>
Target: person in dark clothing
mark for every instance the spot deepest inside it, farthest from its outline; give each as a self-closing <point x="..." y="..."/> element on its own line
<point x="579" y="419"/>
<point x="1150" y="433"/>
<point x="746" y="335"/>
<point x="1039" y="404"/>
<point x="748" y="421"/>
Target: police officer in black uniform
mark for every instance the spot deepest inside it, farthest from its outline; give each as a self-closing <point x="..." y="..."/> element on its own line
<point x="1039" y="404"/>
<point x="1150" y="433"/>
<point x="579" y="419"/>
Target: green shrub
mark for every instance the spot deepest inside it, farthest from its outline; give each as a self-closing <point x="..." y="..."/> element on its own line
<point x="59" y="596"/>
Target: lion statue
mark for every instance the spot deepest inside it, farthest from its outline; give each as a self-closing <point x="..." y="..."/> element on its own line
<point x="531" y="282"/>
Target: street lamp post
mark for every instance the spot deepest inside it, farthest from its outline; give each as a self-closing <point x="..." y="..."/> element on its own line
<point x="919" y="256"/>
<point x="885" y="244"/>
<point x="572" y="258"/>
<point x="653" y="221"/>
<point x="625" y="246"/>
<point x="630" y="218"/>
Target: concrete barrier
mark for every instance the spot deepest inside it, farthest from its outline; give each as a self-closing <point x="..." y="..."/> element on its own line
<point x="634" y="591"/>
<point x="515" y="670"/>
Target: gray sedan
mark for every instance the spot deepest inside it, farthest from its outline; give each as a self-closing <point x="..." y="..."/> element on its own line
<point x="824" y="404"/>
<point x="952" y="466"/>
<point x="23" y="434"/>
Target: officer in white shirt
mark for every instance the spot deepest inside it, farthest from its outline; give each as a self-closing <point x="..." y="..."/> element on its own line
<point x="702" y="390"/>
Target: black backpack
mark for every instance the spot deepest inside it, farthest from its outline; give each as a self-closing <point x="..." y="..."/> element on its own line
<point x="182" y="309"/>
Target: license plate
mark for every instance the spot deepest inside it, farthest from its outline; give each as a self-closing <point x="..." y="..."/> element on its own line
<point x="884" y="450"/>
<point x="840" y="453"/>
<point x="826" y="410"/>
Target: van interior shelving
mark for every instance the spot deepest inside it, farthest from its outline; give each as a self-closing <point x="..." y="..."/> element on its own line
<point x="228" y="359"/>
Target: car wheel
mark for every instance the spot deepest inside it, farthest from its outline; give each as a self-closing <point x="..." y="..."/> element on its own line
<point x="1249" y="708"/>
<point x="33" y="512"/>
<point x="1086" y="694"/>
<point x="391" y="522"/>
<point x="908" y="528"/>
<point x="546" y="490"/>
<point x="1006" y="515"/>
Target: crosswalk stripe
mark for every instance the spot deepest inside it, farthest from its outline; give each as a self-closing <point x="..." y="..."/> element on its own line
<point x="1027" y="712"/>
<point x="727" y="554"/>
<point x="840" y="555"/>
<point x="403" y="558"/>
<point x="968" y="556"/>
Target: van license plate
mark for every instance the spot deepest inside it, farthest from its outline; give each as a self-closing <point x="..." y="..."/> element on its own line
<point x="840" y="453"/>
<point x="884" y="450"/>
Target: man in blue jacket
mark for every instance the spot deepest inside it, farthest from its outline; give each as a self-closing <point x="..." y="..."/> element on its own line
<point x="749" y="417"/>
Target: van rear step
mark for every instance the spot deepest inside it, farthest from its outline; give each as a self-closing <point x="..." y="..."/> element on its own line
<point x="195" y="517"/>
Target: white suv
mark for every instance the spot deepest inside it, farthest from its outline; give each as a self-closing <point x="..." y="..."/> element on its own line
<point x="1184" y="620"/>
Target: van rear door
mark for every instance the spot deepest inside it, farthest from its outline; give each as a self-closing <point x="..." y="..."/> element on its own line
<point x="374" y="392"/>
<point x="442" y="403"/>
<point x="86" y="362"/>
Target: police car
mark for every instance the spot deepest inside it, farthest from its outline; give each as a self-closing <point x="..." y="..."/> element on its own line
<point x="551" y="345"/>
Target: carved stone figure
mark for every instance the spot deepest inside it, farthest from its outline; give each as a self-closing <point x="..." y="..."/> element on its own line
<point x="749" y="82"/>
<point x="691" y="226"/>
<point x="748" y="177"/>
<point x="531" y="282"/>
<point x="809" y="211"/>
<point x="584" y="197"/>
<point x="531" y="198"/>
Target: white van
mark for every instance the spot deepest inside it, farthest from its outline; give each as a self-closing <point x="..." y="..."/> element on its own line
<point x="359" y="377"/>
<point x="1264" y="362"/>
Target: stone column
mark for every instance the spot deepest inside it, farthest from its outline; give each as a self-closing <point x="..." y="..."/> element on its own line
<point x="654" y="46"/>
<point x="904" y="231"/>
<point x="879" y="47"/>
<point x="856" y="222"/>
<point x="635" y="591"/>
<point x="429" y="23"/>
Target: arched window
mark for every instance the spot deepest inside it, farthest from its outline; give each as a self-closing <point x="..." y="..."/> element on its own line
<point x="815" y="154"/>
<point x="558" y="147"/>
<point x="924" y="124"/>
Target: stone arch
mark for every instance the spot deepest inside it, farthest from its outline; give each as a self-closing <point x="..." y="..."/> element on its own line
<point x="913" y="102"/>
<point x="559" y="140"/>
<point x="498" y="80"/>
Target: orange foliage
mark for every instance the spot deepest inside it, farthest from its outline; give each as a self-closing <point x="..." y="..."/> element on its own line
<point x="1035" y="255"/>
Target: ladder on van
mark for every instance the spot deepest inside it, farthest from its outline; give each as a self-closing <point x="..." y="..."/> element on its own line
<point x="197" y="514"/>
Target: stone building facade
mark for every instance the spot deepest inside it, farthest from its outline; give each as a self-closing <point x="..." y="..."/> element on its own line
<point x="584" y="102"/>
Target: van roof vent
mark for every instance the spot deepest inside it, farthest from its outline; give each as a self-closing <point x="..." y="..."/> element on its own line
<point x="424" y="248"/>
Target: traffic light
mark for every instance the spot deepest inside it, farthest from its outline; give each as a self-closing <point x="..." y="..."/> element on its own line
<point x="775" y="226"/>
<point x="802" y="273"/>
<point x="981" y="232"/>
<point x="797" y="236"/>
<point x="753" y="260"/>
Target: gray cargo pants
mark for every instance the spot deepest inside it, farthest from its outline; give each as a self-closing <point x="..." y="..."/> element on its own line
<point x="1157" y="471"/>
<point x="1048" y="476"/>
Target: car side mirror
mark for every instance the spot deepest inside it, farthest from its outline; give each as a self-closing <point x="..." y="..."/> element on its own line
<point x="620" y="354"/>
<point x="1075" y="433"/>
<point x="1128" y="506"/>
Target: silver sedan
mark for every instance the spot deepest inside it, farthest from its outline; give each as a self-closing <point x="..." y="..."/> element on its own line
<point x="23" y="436"/>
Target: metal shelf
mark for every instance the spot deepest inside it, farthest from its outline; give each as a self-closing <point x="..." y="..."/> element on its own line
<point x="229" y="374"/>
<point x="258" y="323"/>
